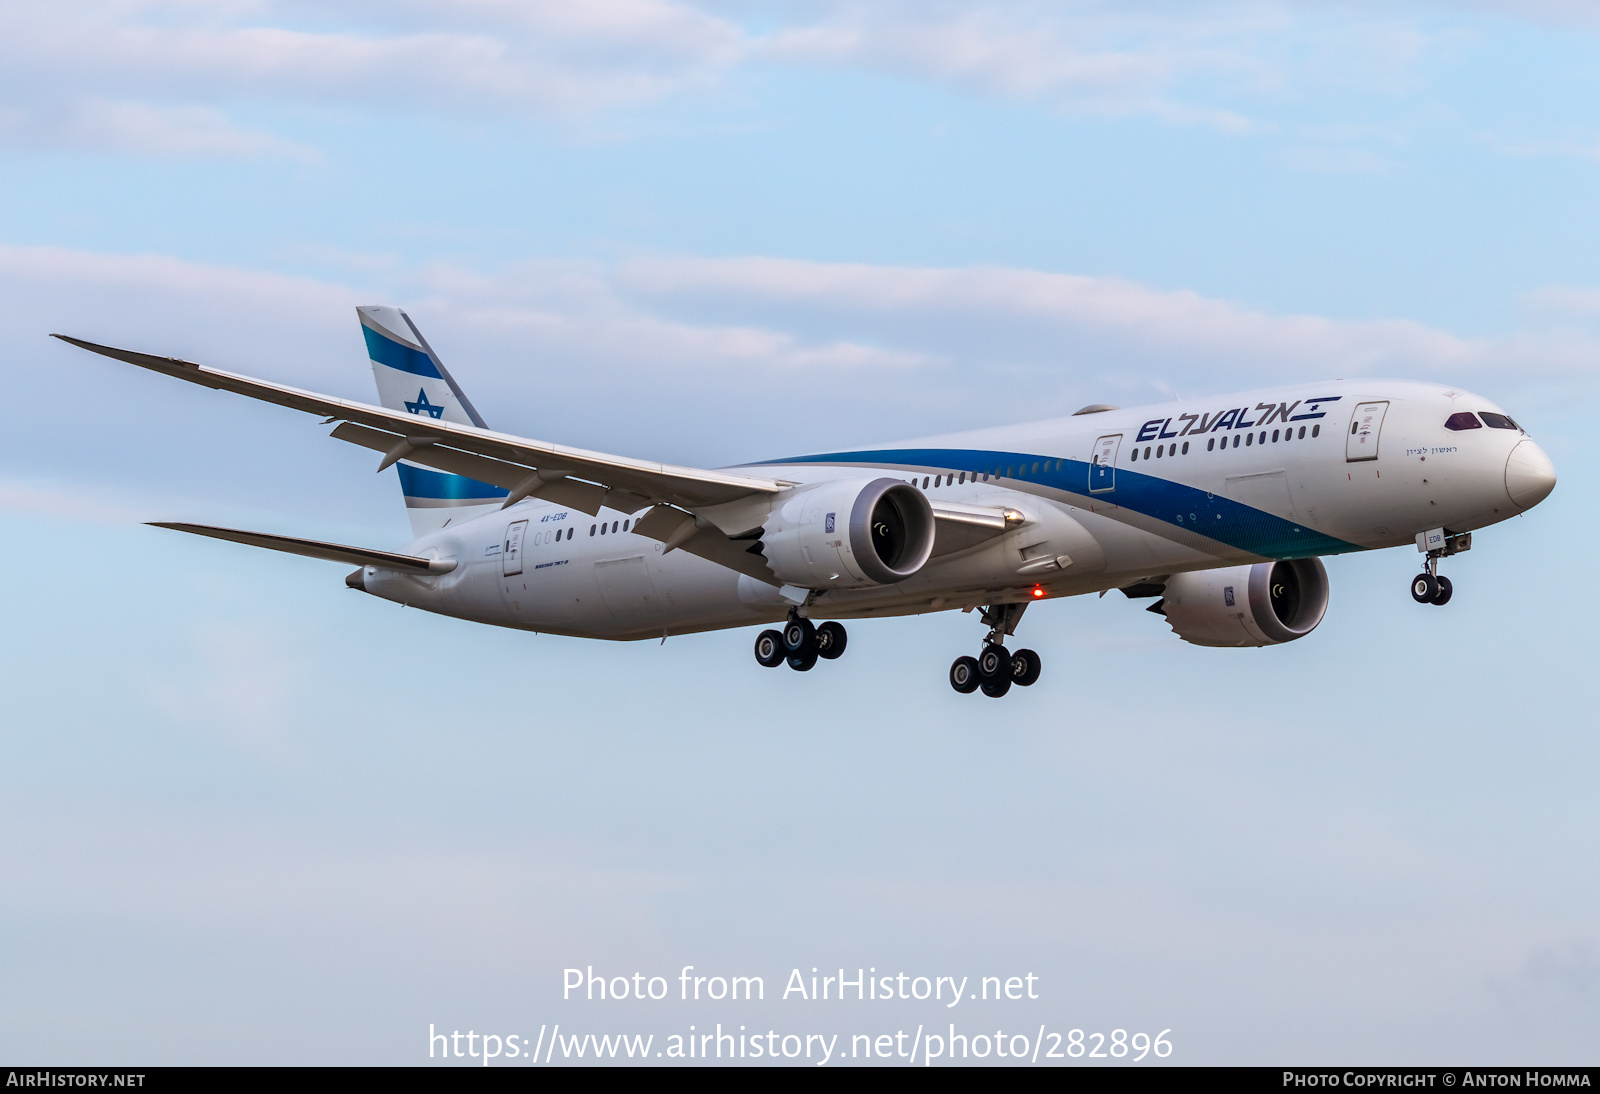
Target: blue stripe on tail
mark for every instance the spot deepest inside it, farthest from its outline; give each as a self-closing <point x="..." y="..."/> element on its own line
<point x="385" y="351"/>
<point x="423" y="482"/>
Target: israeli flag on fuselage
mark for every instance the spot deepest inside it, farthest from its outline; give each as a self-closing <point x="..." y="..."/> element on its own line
<point x="411" y="377"/>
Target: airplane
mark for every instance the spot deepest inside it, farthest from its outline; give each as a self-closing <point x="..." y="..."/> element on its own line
<point x="1217" y="509"/>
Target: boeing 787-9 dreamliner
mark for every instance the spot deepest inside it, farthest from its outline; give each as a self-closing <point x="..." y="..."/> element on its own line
<point x="1217" y="510"/>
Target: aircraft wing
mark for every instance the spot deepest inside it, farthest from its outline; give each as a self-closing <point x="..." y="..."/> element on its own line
<point x="567" y="476"/>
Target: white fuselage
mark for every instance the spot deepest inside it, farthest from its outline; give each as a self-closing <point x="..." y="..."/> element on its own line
<point x="1119" y="495"/>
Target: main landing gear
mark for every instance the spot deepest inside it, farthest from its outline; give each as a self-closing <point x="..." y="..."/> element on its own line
<point x="1430" y="587"/>
<point x="996" y="669"/>
<point x="800" y="643"/>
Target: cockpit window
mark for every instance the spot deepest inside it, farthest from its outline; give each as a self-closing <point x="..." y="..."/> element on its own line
<point x="1498" y="421"/>
<point x="1463" y="420"/>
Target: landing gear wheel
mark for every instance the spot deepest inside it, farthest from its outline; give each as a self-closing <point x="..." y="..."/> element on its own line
<point x="769" y="649"/>
<point x="1442" y="597"/>
<point x="964" y="675"/>
<point x="803" y="662"/>
<point x="994" y="662"/>
<point x="799" y="636"/>
<point x="830" y="640"/>
<point x="1424" y="587"/>
<point x="1025" y="668"/>
<point x="996" y="688"/>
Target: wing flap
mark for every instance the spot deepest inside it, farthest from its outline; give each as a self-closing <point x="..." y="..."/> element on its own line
<point x="311" y="548"/>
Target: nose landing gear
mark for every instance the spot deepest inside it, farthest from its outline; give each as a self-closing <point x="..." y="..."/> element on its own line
<point x="1429" y="587"/>
<point x="800" y="643"/>
<point x="996" y="668"/>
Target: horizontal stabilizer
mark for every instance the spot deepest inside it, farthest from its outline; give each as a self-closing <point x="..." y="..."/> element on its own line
<point x="331" y="552"/>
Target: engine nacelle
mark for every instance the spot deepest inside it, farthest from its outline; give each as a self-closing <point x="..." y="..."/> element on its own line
<point x="848" y="535"/>
<point x="1259" y="605"/>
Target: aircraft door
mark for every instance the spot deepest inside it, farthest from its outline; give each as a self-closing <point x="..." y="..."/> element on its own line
<point x="1103" y="464"/>
<point x="1366" y="422"/>
<point x="511" y="550"/>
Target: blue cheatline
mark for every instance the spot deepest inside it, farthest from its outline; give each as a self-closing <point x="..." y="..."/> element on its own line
<point x="422" y="482"/>
<point x="1183" y="507"/>
<point x="386" y="351"/>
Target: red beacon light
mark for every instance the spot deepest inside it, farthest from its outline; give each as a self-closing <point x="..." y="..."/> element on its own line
<point x="1038" y="591"/>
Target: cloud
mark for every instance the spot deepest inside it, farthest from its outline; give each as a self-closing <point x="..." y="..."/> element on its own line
<point x="704" y="361"/>
<point x="1563" y="300"/>
<point x="160" y="78"/>
<point x="683" y="316"/>
<point x="143" y="129"/>
<point x="1043" y="315"/>
<point x="1080" y="56"/>
<point x="125" y="71"/>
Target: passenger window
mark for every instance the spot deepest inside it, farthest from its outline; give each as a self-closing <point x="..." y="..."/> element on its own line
<point x="624" y="526"/>
<point x="1236" y="440"/>
<point x="924" y="482"/>
<point x="1211" y="445"/>
<point x="613" y="526"/>
<point x="1248" y="437"/>
<point x="602" y="528"/>
<point x="591" y="529"/>
<point x="1315" y="430"/>
<point x="1302" y="434"/>
<point x="1274" y="436"/>
<point x="570" y="531"/>
<point x="1496" y="421"/>
<point x="1135" y="457"/>
<point x="1185" y="448"/>
<point x="963" y="479"/>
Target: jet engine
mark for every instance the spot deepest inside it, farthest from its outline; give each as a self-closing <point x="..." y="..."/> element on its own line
<point x="1259" y="605"/>
<point x="849" y="534"/>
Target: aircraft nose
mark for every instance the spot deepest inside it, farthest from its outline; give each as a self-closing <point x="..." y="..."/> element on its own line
<point x="1530" y="476"/>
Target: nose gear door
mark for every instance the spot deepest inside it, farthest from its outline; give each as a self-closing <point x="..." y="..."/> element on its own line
<point x="1103" y="464"/>
<point x="1366" y="421"/>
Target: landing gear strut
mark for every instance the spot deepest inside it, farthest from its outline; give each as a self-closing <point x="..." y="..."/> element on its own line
<point x="800" y="643"/>
<point x="1429" y="587"/>
<point x="996" y="668"/>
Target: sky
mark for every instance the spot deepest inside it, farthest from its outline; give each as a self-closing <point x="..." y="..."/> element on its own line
<point x="247" y="816"/>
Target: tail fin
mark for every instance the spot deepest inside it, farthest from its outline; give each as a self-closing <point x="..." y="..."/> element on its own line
<point x="411" y="377"/>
